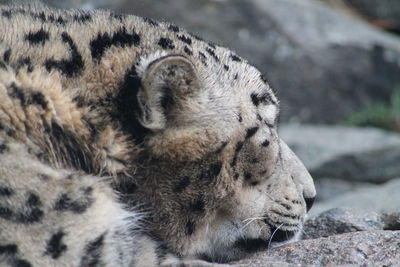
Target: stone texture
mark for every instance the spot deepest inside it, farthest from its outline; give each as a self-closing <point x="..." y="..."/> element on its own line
<point x="376" y="166"/>
<point x="317" y="145"/>
<point x="384" y="14"/>
<point x="379" y="198"/>
<point x="341" y="220"/>
<point x="391" y="220"/>
<point x="367" y="248"/>
<point x="339" y="237"/>
<point x="343" y="159"/>
<point x="328" y="188"/>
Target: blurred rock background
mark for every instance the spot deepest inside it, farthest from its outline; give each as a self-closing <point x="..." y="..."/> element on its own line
<point x="335" y="65"/>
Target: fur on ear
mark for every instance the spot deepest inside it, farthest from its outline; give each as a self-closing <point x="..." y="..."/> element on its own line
<point x="166" y="81"/>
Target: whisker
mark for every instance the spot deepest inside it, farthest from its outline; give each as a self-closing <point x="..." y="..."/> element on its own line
<point x="301" y="229"/>
<point x="250" y="220"/>
<point x="270" y="239"/>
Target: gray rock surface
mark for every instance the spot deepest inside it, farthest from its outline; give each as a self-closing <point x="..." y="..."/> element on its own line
<point x="318" y="145"/>
<point x="342" y="220"/>
<point x="376" y="166"/>
<point x="328" y="188"/>
<point x="339" y="237"/>
<point x="383" y="13"/>
<point x="367" y="248"/>
<point x="391" y="220"/>
<point x="379" y="198"/>
<point x="343" y="159"/>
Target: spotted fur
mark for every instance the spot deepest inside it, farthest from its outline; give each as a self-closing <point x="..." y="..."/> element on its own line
<point x="130" y="142"/>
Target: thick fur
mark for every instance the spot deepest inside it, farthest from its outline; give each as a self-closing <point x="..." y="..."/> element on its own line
<point x="129" y="142"/>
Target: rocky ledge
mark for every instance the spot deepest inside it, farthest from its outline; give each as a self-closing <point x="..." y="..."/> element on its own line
<point x="339" y="237"/>
<point x="371" y="248"/>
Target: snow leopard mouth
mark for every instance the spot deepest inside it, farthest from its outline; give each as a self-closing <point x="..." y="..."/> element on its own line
<point x="278" y="237"/>
<point x="243" y="246"/>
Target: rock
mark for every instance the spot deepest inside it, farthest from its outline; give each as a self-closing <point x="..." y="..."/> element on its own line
<point x="376" y="166"/>
<point x="384" y="13"/>
<point x="318" y="145"/>
<point x="342" y="159"/>
<point x="339" y="236"/>
<point x="367" y="248"/>
<point x="379" y="198"/>
<point x="391" y="220"/>
<point x="328" y="188"/>
<point x="349" y="153"/>
<point x="342" y="220"/>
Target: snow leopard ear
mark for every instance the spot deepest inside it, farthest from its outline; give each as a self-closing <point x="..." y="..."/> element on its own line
<point x="166" y="82"/>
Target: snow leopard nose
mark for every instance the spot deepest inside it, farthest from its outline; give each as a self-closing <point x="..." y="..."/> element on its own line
<point x="309" y="202"/>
